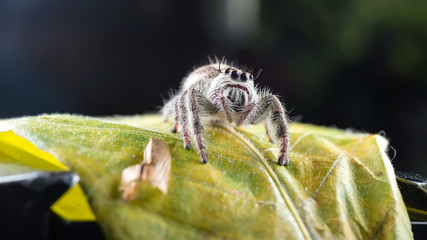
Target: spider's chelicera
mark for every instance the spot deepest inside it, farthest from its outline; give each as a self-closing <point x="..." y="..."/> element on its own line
<point x="222" y="93"/>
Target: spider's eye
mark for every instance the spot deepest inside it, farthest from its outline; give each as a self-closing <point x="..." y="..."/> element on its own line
<point x="251" y="77"/>
<point x="227" y="70"/>
<point x="244" y="77"/>
<point x="234" y="75"/>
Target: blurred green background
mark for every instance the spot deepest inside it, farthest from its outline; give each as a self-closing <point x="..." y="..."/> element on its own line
<point x="349" y="64"/>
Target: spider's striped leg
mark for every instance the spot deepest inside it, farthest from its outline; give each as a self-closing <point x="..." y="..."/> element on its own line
<point x="183" y="118"/>
<point x="267" y="130"/>
<point x="176" y="110"/>
<point x="269" y="107"/>
<point x="199" y="105"/>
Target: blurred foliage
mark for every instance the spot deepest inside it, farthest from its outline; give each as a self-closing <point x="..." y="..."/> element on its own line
<point x="342" y="61"/>
<point x="328" y="34"/>
<point x="332" y="41"/>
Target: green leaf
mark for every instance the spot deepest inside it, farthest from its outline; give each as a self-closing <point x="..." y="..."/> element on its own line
<point x="338" y="185"/>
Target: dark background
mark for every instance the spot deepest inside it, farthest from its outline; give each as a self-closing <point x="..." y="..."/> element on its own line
<point x="350" y="64"/>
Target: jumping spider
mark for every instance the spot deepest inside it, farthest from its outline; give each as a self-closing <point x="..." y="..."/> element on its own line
<point x="221" y="92"/>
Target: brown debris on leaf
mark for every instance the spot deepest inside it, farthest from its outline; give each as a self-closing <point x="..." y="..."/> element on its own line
<point x="155" y="169"/>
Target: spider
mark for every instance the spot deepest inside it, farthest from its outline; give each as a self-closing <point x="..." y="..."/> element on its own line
<point x="219" y="92"/>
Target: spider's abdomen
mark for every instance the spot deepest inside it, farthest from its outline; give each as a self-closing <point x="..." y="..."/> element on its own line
<point x="207" y="72"/>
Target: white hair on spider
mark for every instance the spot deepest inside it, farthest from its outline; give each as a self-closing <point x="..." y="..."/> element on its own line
<point x="221" y="92"/>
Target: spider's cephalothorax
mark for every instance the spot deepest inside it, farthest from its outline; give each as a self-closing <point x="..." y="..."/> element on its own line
<point x="220" y="92"/>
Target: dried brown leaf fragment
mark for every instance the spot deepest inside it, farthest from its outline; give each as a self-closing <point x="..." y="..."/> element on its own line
<point x="154" y="169"/>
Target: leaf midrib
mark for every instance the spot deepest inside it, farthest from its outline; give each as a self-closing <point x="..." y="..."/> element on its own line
<point x="273" y="176"/>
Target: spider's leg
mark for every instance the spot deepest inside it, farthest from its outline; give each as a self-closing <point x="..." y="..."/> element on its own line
<point x="183" y="113"/>
<point x="270" y="107"/>
<point x="176" y="110"/>
<point x="199" y="104"/>
<point x="267" y="130"/>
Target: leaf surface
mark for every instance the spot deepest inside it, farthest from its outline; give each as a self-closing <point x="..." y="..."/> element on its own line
<point x="338" y="185"/>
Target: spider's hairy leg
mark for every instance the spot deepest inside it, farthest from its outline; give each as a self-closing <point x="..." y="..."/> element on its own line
<point x="278" y="119"/>
<point x="199" y="104"/>
<point x="176" y="110"/>
<point x="183" y="113"/>
<point x="270" y="107"/>
<point x="267" y="130"/>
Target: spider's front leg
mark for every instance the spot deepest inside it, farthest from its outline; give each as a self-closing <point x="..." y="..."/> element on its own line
<point x="270" y="107"/>
<point x="188" y="107"/>
<point x="176" y="118"/>
<point x="199" y="105"/>
<point x="181" y="118"/>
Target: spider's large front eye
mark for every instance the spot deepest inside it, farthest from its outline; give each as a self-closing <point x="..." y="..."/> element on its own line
<point x="234" y="75"/>
<point x="244" y="77"/>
